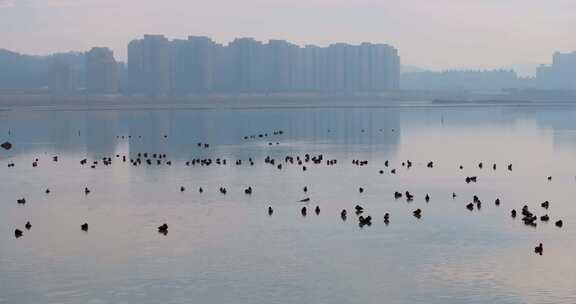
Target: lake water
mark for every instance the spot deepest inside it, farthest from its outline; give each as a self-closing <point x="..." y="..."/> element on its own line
<point x="227" y="249"/>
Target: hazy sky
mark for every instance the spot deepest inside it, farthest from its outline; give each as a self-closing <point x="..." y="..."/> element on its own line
<point x="434" y="34"/>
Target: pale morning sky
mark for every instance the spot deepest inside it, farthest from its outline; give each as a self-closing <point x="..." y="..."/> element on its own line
<point x="437" y="34"/>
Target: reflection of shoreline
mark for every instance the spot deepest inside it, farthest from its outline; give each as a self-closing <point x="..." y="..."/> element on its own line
<point x="282" y="106"/>
<point x="398" y="98"/>
<point x="240" y="100"/>
<point x="482" y="101"/>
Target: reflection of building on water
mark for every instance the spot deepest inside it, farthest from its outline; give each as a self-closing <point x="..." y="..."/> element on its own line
<point x="146" y="129"/>
<point x="44" y="131"/>
<point x="306" y="131"/>
<point x="562" y="124"/>
<point x="100" y="133"/>
<point x="318" y="130"/>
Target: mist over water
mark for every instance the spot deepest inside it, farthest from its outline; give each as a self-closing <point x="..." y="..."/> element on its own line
<point x="227" y="249"/>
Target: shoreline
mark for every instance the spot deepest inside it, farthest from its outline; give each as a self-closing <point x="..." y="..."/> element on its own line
<point x="254" y="102"/>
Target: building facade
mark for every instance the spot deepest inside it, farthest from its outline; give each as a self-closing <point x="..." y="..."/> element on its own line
<point x="561" y="74"/>
<point x="102" y="73"/>
<point x="198" y="65"/>
<point x="150" y="68"/>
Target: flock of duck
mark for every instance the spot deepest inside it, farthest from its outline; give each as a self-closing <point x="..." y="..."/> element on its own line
<point x="529" y="218"/>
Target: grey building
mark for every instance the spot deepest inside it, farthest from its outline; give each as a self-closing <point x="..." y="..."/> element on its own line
<point x="150" y="65"/>
<point x="61" y="77"/>
<point x="198" y="65"/>
<point x="101" y="71"/>
<point x="561" y="74"/>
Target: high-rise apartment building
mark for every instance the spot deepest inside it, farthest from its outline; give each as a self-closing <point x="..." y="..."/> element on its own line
<point x="560" y="75"/>
<point x="245" y="65"/>
<point x="61" y="80"/>
<point x="101" y="71"/>
<point x="150" y="65"/>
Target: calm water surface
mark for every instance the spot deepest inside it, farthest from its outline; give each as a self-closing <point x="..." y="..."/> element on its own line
<point x="226" y="249"/>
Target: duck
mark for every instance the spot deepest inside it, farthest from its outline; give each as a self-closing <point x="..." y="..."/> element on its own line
<point x="530" y="220"/>
<point x="397" y="195"/>
<point x="18" y="233"/>
<point x="510" y="167"/>
<point x="248" y="190"/>
<point x="84" y="227"/>
<point x="545" y="218"/>
<point x="28" y="226"/>
<point x="417" y="213"/>
<point x="317" y="210"/>
<point x="362" y="221"/>
<point x="6" y="145"/>
<point x="163" y="228"/>
<point x="368" y="220"/>
<point x="545" y="204"/>
<point x="361" y="190"/>
<point x="409" y="196"/>
<point x="343" y="214"/>
<point x="525" y="210"/>
<point x="270" y="210"/>
<point x="86" y="190"/>
<point x="303" y="211"/>
<point x="21" y="201"/>
<point x="470" y="206"/>
<point x="559" y="224"/>
<point x="539" y="249"/>
<point x="497" y="202"/>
